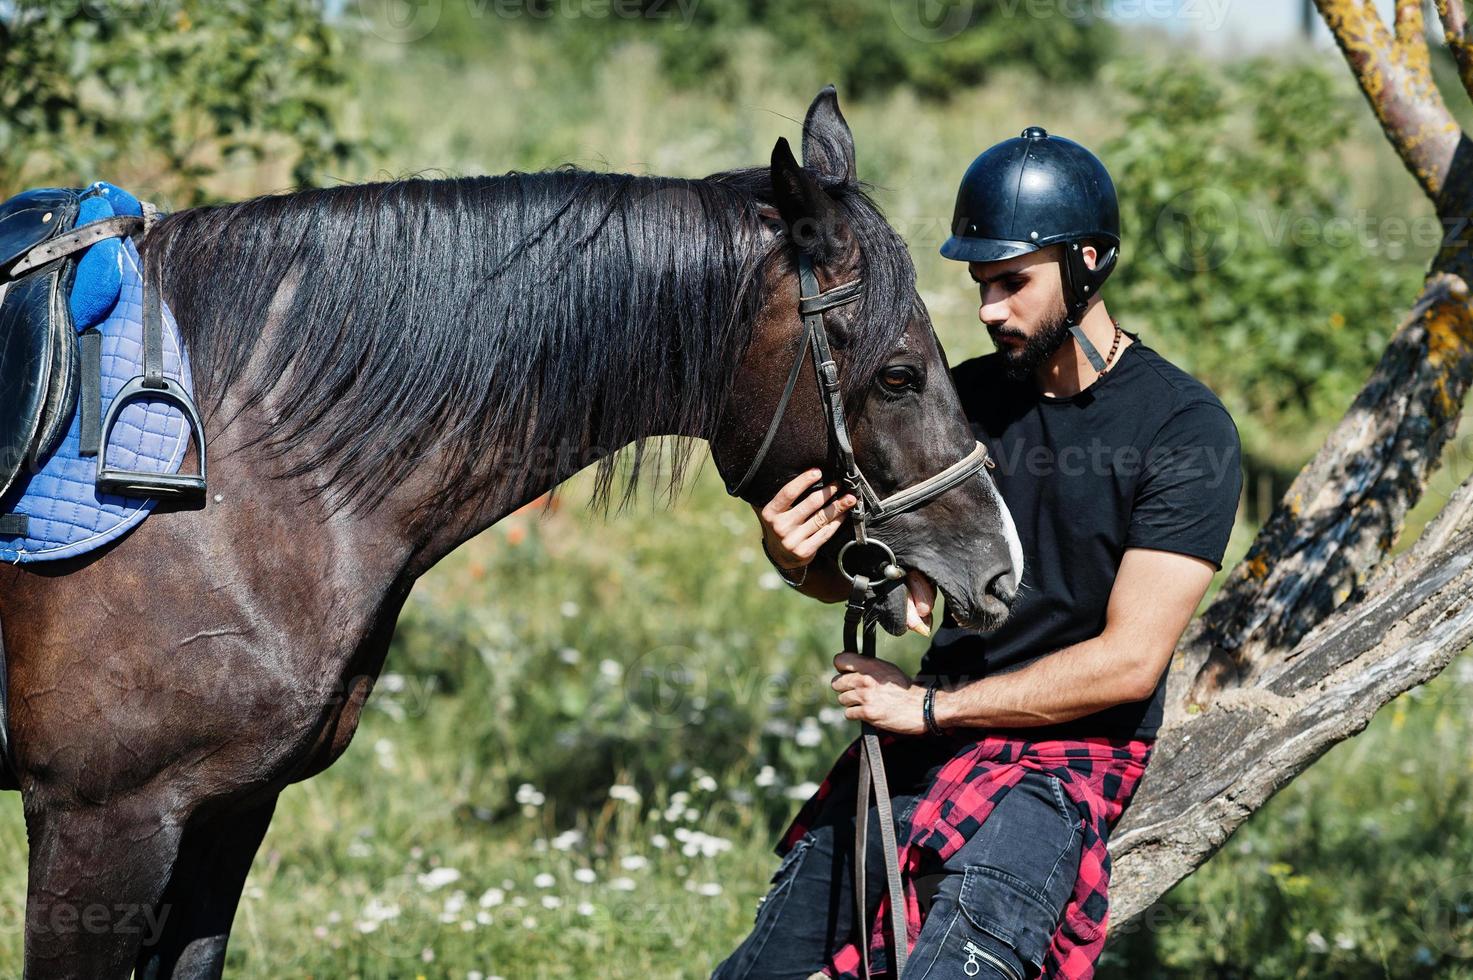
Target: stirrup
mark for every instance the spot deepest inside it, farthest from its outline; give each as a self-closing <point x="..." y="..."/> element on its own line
<point x="129" y="483"/>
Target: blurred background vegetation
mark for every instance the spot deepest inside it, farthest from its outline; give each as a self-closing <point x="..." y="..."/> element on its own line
<point x="591" y="728"/>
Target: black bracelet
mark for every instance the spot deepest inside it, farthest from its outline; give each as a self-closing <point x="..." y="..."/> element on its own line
<point x="928" y="709"/>
<point x="782" y="573"/>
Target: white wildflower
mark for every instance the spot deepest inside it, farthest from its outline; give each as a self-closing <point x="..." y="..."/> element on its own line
<point x="438" y="878"/>
<point x="624" y="793"/>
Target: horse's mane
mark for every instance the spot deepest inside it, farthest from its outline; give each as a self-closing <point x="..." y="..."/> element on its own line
<point x="555" y="309"/>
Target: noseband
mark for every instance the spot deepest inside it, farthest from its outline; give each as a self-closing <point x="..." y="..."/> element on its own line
<point x="871" y="509"/>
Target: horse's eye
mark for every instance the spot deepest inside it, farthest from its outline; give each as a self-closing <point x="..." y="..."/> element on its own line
<point x="898" y="377"/>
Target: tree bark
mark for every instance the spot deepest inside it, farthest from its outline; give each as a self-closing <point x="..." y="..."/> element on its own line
<point x="1310" y="635"/>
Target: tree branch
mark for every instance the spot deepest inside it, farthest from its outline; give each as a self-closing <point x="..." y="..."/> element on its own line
<point x="1345" y="509"/>
<point x="1455" y="33"/>
<point x="1395" y="73"/>
<point x="1211" y="772"/>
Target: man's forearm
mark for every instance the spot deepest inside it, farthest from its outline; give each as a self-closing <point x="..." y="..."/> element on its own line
<point x="1068" y="684"/>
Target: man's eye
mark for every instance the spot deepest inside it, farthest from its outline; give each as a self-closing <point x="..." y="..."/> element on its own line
<point x="898" y="378"/>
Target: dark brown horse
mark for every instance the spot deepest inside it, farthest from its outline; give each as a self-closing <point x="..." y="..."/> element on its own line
<point x="387" y="370"/>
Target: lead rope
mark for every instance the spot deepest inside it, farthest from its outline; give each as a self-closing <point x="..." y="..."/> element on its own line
<point x="872" y="770"/>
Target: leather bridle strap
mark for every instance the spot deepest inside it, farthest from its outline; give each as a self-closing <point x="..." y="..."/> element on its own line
<point x="872" y="770"/>
<point x="811" y="307"/>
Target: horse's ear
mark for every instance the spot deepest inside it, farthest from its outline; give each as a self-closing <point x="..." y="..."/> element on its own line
<point x="814" y="222"/>
<point x="828" y="145"/>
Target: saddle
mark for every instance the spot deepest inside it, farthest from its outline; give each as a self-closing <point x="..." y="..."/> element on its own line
<point x="59" y="276"/>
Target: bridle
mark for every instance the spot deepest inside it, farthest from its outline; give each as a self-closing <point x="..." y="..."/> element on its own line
<point x="871" y="510"/>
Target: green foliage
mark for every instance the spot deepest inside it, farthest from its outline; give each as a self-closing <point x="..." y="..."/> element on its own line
<point x="1244" y="252"/>
<point x="179" y="90"/>
<point x="866" y="47"/>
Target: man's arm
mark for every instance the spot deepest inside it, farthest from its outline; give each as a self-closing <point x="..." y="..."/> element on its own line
<point x="1153" y="599"/>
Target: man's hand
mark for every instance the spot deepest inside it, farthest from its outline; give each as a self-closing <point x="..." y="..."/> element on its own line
<point x="795" y="525"/>
<point x="877" y="691"/>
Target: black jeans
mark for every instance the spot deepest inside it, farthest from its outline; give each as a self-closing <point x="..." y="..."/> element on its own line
<point x="994" y="904"/>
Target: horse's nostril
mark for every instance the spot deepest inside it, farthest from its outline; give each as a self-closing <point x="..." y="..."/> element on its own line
<point x="1003" y="586"/>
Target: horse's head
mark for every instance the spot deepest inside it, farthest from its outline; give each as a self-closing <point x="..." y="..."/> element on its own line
<point x="895" y="394"/>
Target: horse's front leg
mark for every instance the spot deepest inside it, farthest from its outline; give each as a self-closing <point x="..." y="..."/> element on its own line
<point x="96" y="875"/>
<point x="199" y="904"/>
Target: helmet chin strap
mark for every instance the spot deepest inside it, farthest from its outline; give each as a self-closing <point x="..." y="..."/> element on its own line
<point x="1081" y="283"/>
<point x="1090" y="353"/>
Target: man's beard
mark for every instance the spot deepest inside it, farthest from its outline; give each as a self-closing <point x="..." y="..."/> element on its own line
<point x="1019" y="364"/>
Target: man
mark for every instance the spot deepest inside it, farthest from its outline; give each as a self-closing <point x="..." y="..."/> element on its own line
<point x="1122" y="474"/>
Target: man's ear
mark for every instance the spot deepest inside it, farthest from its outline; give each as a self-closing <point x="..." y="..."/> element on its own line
<point x="812" y="218"/>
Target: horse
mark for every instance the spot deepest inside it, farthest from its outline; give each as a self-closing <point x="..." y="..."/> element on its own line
<point x="385" y="370"/>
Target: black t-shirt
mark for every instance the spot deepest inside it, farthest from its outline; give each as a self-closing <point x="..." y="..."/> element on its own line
<point x="1145" y="457"/>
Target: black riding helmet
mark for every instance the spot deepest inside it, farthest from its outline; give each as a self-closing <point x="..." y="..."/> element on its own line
<point x="1034" y="191"/>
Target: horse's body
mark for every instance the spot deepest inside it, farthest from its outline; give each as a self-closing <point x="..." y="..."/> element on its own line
<point x="165" y="691"/>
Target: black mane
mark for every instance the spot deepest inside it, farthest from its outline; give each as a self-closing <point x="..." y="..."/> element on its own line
<point x="555" y="309"/>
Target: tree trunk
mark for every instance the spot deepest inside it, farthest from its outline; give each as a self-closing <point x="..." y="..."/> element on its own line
<point x="1310" y="634"/>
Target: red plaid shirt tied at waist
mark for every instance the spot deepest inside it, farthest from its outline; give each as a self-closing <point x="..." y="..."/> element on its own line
<point x="1099" y="775"/>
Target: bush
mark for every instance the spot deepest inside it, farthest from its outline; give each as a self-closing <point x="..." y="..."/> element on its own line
<point x="178" y="90"/>
<point x="1244" y="252"/>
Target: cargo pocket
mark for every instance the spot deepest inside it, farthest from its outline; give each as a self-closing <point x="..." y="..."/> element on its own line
<point x="1011" y="913"/>
<point x="1018" y="877"/>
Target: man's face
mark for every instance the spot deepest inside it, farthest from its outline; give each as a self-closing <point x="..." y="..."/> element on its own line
<point x="1023" y="308"/>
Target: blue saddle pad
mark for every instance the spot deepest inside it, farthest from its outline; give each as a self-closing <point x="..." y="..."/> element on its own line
<point x="68" y="517"/>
